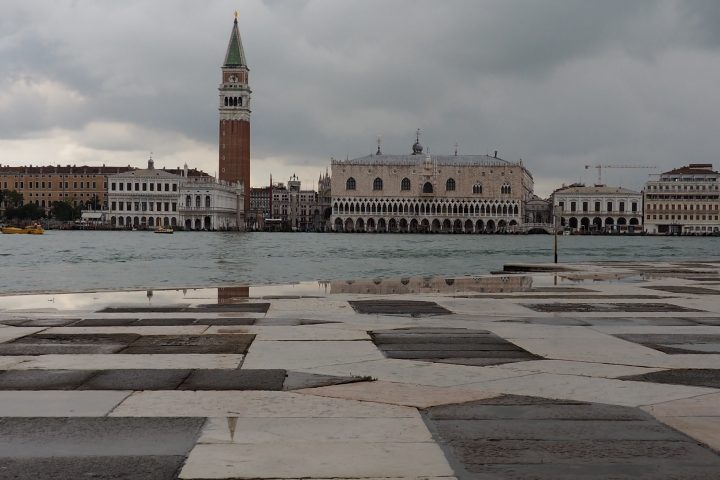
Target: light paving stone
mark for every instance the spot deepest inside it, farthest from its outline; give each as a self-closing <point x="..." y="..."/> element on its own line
<point x="698" y="406"/>
<point x="7" y="362"/>
<point x="59" y="403"/>
<point x="140" y="330"/>
<point x="11" y="333"/>
<point x="420" y="396"/>
<point x="599" y="390"/>
<point x="704" y="429"/>
<point x="251" y="404"/>
<point x="299" y="333"/>
<point x="296" y="355"/>
<point x="272" y="430"/>
<point x="149" y="361"/>
<point x="420" y="373"/>
<point x="584" y="369"/>
<point x="316" y="460"/>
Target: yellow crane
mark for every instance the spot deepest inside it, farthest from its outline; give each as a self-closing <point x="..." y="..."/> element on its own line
<point x="600" y="167"/>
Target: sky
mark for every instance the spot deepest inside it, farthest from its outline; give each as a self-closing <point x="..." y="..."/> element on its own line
<point x="558" y="84"/>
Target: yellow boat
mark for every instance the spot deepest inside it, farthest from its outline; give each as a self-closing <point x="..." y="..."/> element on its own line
<point x="163" y="230"/>
<point x="32" y="230"/>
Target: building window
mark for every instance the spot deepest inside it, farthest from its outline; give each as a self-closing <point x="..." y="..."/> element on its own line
<point x="114" y="206"/>
<point x="585" y="206"/>
<point x="197" y="201"/>
<point x="174" y="187"/>
<point x="378" y="184"/>
<point x="609" y="206"/>
<point x="350" y="184"/>
<point x="622" y="206"/>
<point x="174" y="206"/>
<point x="167" y="206"/>
<point x="505" y="189"/>
<point x="152" y="187"/>
<point x="129" y="186"/>
<point x="450" y="185"/>
<point x="167" y="187"/>
<point x="405" y="184"/>
<point x="427" y="188"/>
<point x="635" y="207"/>
<point x="207" y="201"/>
<point x="477" y="188"/>
<point x="121" y="185"/>
<point x="573" y="206"/>
<point x="597" y="206"/>
<point x="137" y="187"/>
<point x="144" y="187"/>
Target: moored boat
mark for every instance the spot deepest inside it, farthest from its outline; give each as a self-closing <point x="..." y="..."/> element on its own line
<point x="31" y="229"/>
<point x="163" y="230"/>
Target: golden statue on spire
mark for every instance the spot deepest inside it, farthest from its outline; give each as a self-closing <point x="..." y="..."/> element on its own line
<point x="236" y="14"/>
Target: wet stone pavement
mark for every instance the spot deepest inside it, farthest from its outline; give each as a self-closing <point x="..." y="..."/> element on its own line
<point x="597" y="371"/>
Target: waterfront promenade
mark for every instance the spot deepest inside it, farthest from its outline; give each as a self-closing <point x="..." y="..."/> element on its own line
<point x="596" y="371"/>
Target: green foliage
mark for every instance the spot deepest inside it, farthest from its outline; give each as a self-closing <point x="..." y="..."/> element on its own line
<point x="29" y="211"/>
<point x="65" y="211"/>
<point x="12" y="198"/>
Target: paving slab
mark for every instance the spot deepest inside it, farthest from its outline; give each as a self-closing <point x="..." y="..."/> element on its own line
<point x="188" y="344"/>
<point x="608" y="307"/>
<point x="137" y="379"/>
<point x="697" y="406"/>
<point x="697" y="377"/>
<point x="273" y="430"/>
<point x="133" y="329"/>
<point x="293" y="333"/>
<point x="58" y="349"/>
<point x="420" y="396"/>
<point x="103" y="436"/>
<point x="116" y="362"/>
<point x="703" y="429"/>
<point x="103" y="322"/>
<point x="43" y="379"/>
<point x="600" y="390"/>
<point x="685" y="289"/>
<point x="244" y="379"/>
<point x="586" y="369"/>
<point x="316" y="460"/>
<point x="135" y="467"/>
<point x="47" y="322"/>
<point x="299" y="380"/>
<point x="398" y="307"/>
<point x="11" y="333"/>
<point x="57" y="403"/>
<point x="249" y="404"/>
<point x="293" y="355"/>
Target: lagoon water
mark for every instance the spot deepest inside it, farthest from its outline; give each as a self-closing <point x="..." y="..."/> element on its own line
<point x="88" y="260"/>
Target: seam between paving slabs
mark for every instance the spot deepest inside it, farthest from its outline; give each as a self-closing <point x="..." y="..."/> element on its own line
<point x="118" y="403"/>
<point x="684" y="398"/>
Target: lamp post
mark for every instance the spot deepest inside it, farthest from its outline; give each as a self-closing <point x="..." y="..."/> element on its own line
<point x="557" y="212"/>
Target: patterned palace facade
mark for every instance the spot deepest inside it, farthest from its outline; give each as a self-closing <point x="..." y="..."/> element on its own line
<point x="429" y="193"/>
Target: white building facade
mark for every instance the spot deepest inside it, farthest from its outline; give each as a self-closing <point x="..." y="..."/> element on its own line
<point x="208" y="204"/>
<point x="428" y="193"/>
<point x="599" y="209"/>
<point x="144" y="198"/>
<point x="684" y="201"/>
<point x="150" y="198"/>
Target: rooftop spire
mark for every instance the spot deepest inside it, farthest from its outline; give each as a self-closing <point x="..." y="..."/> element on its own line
<point x="235" y="56"/>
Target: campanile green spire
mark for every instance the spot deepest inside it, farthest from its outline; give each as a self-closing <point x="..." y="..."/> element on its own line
<point x="235" y="56"/>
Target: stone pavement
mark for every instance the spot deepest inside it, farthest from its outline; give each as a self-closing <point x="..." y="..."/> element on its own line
<point x="590" y="372"/>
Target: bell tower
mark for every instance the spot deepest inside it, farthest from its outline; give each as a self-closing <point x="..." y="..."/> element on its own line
<point x="234" y="110"/>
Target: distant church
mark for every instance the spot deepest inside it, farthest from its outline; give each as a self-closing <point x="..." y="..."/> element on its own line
<point x="234" y="113"/>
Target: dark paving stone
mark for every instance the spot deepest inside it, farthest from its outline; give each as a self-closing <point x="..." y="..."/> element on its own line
<point x="298" y="380"/>
<point x="164" y="322"/>
<point x="234" y="380"/>
<point x="219" y="344"/>
<point x="448" y="345"/>
<point x="524" y="296"/>
<point x="234" y="307"/>
<point x="608" y="307"/>
<point x="47" y="322"/>
<point x="125" y="467"/>
<point x="514" y="437"/>
<point x="104" y="322"/>
<point x="99" y="436"/>
<point x="43" y="379"/>
<point x="561" y="290"/>
<point x="57" y="349"/>
<point x="139" y="379"/>
<point x="684" y="289"/>
<point x="398" y="307"/>
<point x="713" y="321"/>
<point x="563" y="321"/>
<point x="82" y="339"/>
<point x="210" y="307"/>
<point x="698" y="378"/>
<point x="282" y="322"/>
<point x="226" y="321"/>
<point x="676" y="343"/>
<point x="13" y="322"/>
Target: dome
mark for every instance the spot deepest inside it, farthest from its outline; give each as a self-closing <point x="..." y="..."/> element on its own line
<point x="417" y="148"/>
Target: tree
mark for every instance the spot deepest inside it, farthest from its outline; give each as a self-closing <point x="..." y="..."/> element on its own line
<point x="11" y="198"/>
<point x="65" y="211"/>
<point x="30" y="211"/>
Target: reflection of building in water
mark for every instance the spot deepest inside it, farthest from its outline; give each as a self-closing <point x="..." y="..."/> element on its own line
<point x="495" y="284"/>
<point x="232" y="294"/>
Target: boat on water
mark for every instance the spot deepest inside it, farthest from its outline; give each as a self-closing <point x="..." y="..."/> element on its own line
<point x="163" y="230"/>
<point x="30" y="229"/>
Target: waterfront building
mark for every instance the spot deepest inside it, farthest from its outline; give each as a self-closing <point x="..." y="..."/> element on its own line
<point x="148" y="198"/>
<point x="324" y="201"/>
<point x="683" y="201"/>
<point x="259" y="207"/>
<point x="83" y="186"/>
<point x="538" y="215"/>
<point x="598" y="208"/>
<point x="234" y="116"/>
<point x="428" y="193"/>
<point x="295" y="209"/>
<point x="210" y="204"/>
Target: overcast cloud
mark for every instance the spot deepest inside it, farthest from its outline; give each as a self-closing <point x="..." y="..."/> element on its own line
<point x="560" y="84"/>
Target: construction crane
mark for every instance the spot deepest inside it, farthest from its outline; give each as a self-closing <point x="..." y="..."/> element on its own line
<point x="600" y="167"/>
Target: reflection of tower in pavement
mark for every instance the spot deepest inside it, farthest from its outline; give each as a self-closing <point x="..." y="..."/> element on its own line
<point x="233" y="294"/>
